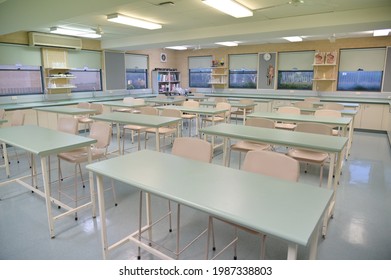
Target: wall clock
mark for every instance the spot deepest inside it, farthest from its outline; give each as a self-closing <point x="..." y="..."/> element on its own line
<point x="267" y="56"/>
<point x="163" y="57"/>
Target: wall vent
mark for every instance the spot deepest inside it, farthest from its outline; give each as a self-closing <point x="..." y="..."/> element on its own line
<point x="51" y="40"/>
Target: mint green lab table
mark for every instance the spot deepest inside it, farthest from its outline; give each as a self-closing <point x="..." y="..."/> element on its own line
<point x="120" y="104"/>
<point x="235" y="104"/>
<point x="198" y="111"/>
<point x="44" y="142"/>
<point x="332" y="145"/>
<point x="346" y="123"/>
<point x="286" y="210"/>
<point x="136" y="119"/>
<point x="166" y="100"/>
<point x="65" y="110"/>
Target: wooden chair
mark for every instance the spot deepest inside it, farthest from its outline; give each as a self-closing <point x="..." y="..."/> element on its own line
<point x="333" y="106"/>
<point x="171" y="130"/>
<point x="195" y="149"/>
<point x="223" y="117"/>
<point x="128" y="99"/>
<point x="308" y="156"/>
<point x="240" y="111"/>
<point x="267" y="163"/>
<point x="330" y="113"/>
<point x="148" y="110"/>
<point x="245" y="146"/>
<point x="287" y="110"/>
<point x="190" y="117"/>
<point x="102" y="133"/>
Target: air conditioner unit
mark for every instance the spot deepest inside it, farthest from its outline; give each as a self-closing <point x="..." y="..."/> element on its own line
<point x="51" y="40"/>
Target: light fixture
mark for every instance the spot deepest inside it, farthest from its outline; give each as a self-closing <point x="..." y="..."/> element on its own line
<point x="86" y="33"/>
<point x="227" y="44"/>
<point x="178" y="48"/>
<point x="229" y="7"/>
<point x="294" y="39"/>
<point x="381" y="32"/>
<point x="118" y="18"/>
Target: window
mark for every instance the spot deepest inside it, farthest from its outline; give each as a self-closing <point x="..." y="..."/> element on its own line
<point x="86" y="80"/>
<point x="20" y="80"/>
<point x="86" y="67"/>
<point x="295" y="70"/>
<point x="242" y="71"/>
<point x="361" y="69"/>
<point x="199" y="71"/>
<point x="136" y="71"/>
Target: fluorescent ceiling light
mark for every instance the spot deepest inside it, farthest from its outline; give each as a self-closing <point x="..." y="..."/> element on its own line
<point x="294" y="39"/>
<point x="178" y="48"/>
<point x="381" y="32"/>
<point x="227" y="44"/>
<point x="229" y="7"/>
<point x="75" y="32"/>
<point x="118" y="18"/>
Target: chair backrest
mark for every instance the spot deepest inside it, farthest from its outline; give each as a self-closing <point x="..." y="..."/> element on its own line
<point x="260" y="122"/>
<point x="246" y="101"/>
<point x="101" y="132"/>
<point x="191" y="104"/>
<point x="333" y="106"/>
<point x="17" y="118"/>
<point x="2" y="114"/>
<point x="175" y="113"/>
<point x="128" y="99"/>
<point x="168" y="112"/>
<point x="84" y="105"/>
<point x="68" y="125"/>
<point x="318" y="128"/>
<point x="289" y="110"/>
<point x="312" y="99"/>
<point x="224" y="105"/>
<point x="192" y="148"/>
<point x="220" y="99"/>
<point x="138" y="101"/>
<point x="149" y="110"/>
<point x="273" y="164"/>
<point x="328" y="113"/>
<point x="304" y="104"/>
<point x="97" y="107"/>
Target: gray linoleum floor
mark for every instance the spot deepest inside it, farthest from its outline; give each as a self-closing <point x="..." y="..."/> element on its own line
<point x="360" y="229"/>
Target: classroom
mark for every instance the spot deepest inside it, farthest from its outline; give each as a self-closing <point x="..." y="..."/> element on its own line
<point x="183" y="130"/>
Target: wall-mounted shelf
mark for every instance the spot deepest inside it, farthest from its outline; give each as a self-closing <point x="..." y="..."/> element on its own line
<point x="324" y="73"/>
<point x="218" y="77"/>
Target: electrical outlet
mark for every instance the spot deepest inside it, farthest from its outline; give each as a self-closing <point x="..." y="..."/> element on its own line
<point x="14" y="97"/>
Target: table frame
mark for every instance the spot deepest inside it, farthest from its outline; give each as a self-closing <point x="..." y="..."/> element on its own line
<point x="334" y="146"/>
<point x="306" y="201"/>
<point x="44" y="142"/>
<point x="136" y="119"/>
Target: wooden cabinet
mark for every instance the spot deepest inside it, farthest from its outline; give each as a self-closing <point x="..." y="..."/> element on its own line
<point x="371" y="116"/>
<point x="218" y="77"/>
<point x="165" y="81"/>
<point x="58" y="80"/>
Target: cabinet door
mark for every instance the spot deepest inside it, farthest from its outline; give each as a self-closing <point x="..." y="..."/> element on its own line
<point x="372" y="116"/>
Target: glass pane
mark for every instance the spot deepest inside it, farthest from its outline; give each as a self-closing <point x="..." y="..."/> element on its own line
<point x="136" y="78"/>
<point x="20" y="81"/>
<point x="295" y="80"/>
<point x="242" y="79"/>
<point x="360" y="80"/>
<point x="86" y="80"/>
<point x="199" y="77"/>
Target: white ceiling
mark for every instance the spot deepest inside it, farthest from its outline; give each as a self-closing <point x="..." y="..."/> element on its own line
<point x="192" y="23"/>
